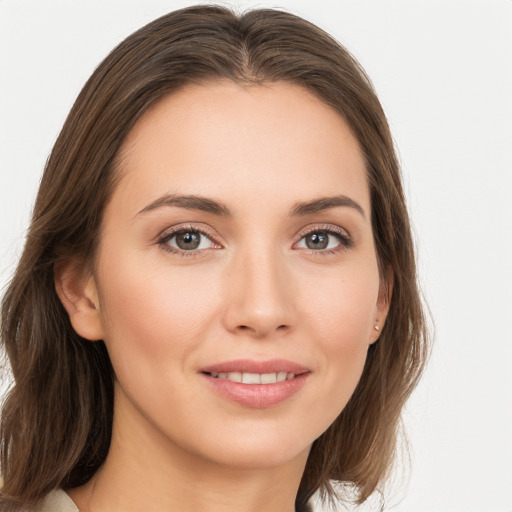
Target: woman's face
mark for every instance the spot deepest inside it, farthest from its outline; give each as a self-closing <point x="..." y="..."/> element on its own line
<point x="238" y="245"/>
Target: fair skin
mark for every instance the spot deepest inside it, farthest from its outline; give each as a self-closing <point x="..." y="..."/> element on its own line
<point x="251" y="281"/>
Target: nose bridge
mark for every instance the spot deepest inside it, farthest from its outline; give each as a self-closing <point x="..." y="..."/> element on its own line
<point x="259" y="298"/>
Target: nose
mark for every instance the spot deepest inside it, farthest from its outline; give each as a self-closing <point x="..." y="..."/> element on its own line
<point x="259" y="293"/>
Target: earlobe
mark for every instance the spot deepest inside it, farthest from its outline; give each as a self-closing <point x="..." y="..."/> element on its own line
<point x="78" y="293"/>
<point x="383" y="304"/>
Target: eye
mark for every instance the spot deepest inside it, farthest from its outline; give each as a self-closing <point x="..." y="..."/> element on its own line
<point x="186" y="240"/>
<point x="324" y="240"/>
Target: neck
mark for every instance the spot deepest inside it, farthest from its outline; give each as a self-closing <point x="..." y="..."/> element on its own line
<point x="144" y="471"/>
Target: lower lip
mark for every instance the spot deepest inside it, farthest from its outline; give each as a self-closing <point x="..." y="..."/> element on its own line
<point x="257" y="396"/>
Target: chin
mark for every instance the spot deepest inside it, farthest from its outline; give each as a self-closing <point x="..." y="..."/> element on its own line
<point x="254" y="450"/>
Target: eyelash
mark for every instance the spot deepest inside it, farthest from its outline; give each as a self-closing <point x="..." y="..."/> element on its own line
<point x="345" y="241"/>
<point x="163" y="241"/>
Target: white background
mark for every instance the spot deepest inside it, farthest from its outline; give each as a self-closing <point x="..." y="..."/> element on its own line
<point x="444" y="75"/>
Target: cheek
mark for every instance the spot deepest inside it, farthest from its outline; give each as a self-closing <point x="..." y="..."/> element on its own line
<point x="340" y="319"/>
<point x="152" y="313"/>
<point x="342" y="310"/>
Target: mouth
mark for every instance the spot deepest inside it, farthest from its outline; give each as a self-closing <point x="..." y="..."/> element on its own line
<point x="252" y="378"/>
<point x="256" y="384"/>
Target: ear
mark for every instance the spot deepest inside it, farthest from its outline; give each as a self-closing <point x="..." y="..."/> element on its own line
<point x="76" y="288"/>
<point x="383" y="303"/>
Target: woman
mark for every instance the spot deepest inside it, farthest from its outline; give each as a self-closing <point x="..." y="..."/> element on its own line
<point x="216" y="307"/>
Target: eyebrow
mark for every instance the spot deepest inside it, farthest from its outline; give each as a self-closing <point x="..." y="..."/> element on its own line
<point x="205" y="204"/>
<point x="324" y="203"/>
<point x="190" y="202"/>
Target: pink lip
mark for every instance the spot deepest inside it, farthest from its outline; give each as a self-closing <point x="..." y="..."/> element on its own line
<point x="257" y="396"/>
<point x="252" y="366"/>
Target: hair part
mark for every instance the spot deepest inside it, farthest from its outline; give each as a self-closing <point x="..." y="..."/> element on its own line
<point x="57" y="419"/>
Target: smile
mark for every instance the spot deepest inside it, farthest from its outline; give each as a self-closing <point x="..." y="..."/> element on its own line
<point x="256" y="384"/>
<point x="254" y="378"/>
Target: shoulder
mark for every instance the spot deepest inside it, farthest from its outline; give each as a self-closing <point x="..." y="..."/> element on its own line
<point x="56" y="501"/>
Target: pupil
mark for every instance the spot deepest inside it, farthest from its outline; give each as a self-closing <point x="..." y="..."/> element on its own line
<point x="317" y="241"/>
<point x="187" y="240"/>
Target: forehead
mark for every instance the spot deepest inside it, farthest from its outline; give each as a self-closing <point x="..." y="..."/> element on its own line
<point x="239" y="142"/>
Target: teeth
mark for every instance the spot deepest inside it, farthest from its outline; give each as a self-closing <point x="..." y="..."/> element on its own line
<point x="234" y="376"/>
<point x="254" y="378"/>
<point x="268" y="378"/>
<point x="251" y="378"/>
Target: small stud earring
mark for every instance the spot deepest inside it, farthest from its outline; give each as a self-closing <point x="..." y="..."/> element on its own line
<point x="377" y="328"/>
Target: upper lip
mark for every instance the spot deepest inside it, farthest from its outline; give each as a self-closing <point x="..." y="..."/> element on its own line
<point x="252" y="366"/>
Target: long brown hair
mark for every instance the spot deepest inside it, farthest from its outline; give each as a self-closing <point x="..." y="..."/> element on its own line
<point x="57" y="418"/>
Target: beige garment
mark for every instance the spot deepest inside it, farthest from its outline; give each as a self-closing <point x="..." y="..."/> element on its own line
<point x="56" y="501"/>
